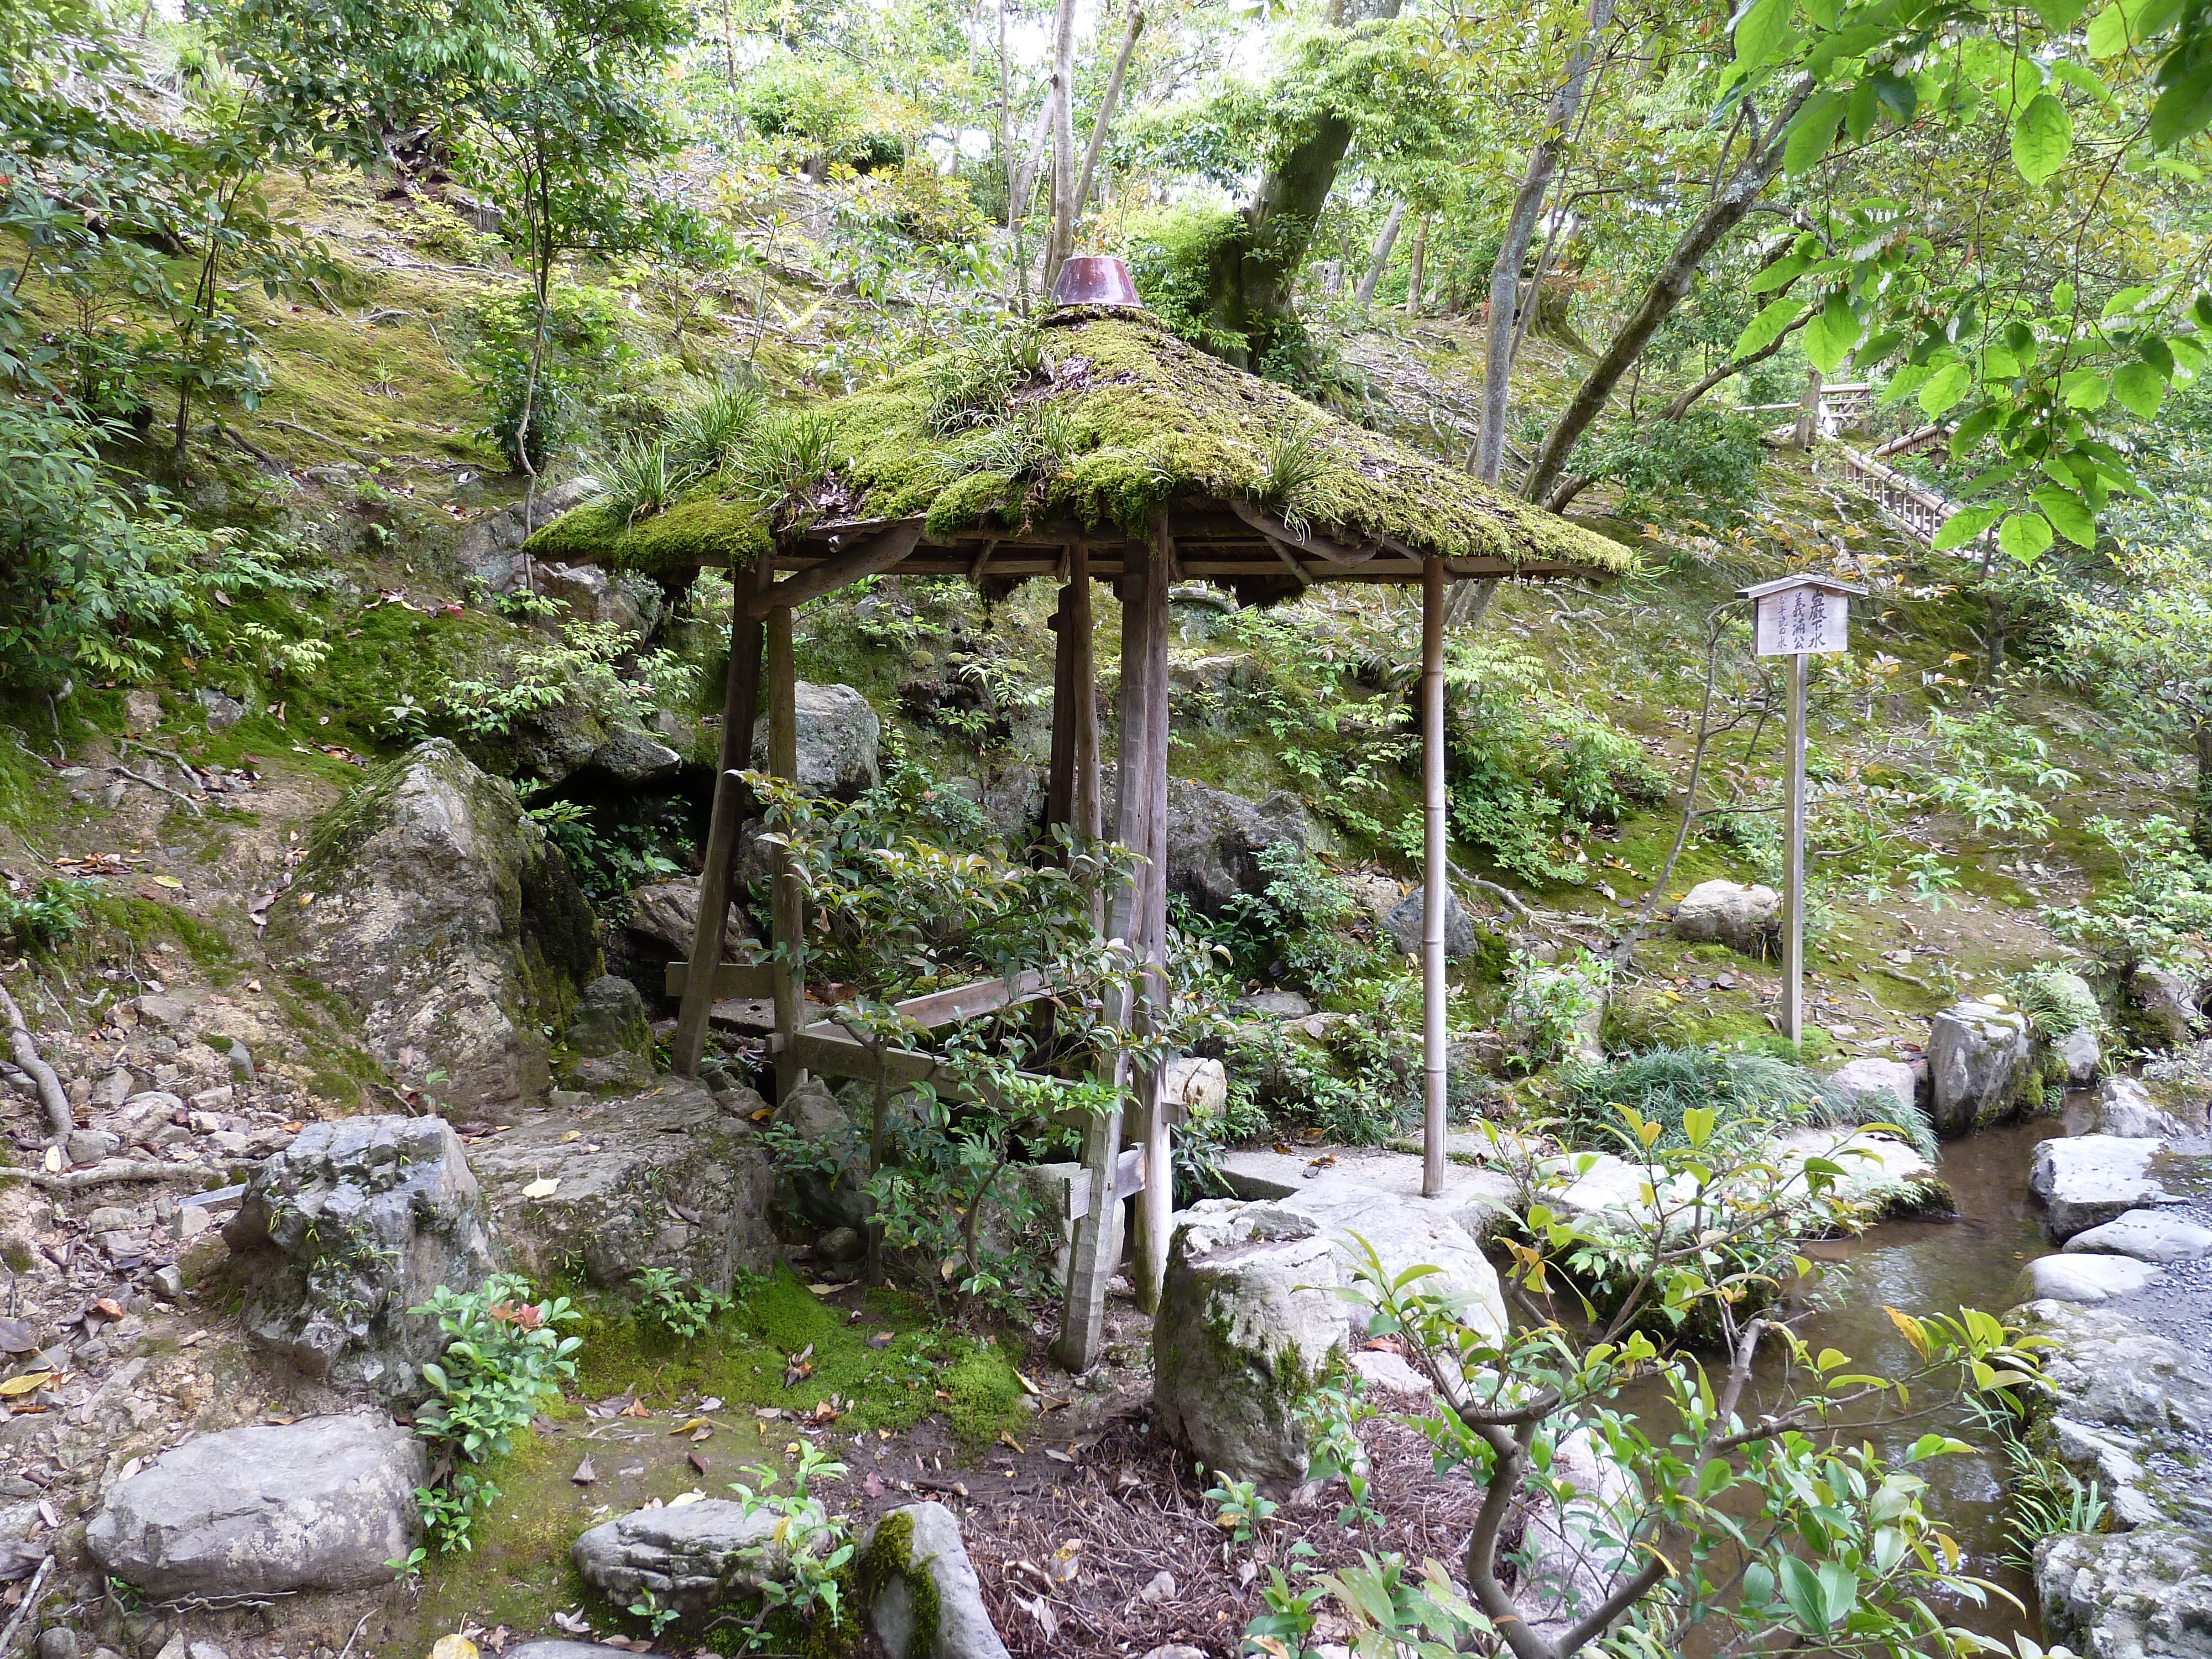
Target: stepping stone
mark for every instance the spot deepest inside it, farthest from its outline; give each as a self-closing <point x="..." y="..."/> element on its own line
<point x="2147" y="1236"/>
<point x="2088" y="1180"/>
<point x="2085" y="1278"/>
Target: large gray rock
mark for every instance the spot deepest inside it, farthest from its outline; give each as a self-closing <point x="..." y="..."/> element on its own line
<point x="1890" y="1082"/>
<point x="1249" y="1322"/>
<point x="691" y="1557"/>
<point x="838" y="738"/>
<point x="820" y="1121"/>
<point x="356" y="1221"/>
<point x="593" y="594"/>
<point x="1401" y="1233"/>
<point x="1406" y="920"/>
<point x="2085" y="1181"/>
<point x="2083" y="1054"/>
<point x="1978" y="1056"/>
<point x="609" y="1020"/>
<point x="2147" y="1236"/>
<point x="1745" y="918"/>
<point x="2125" y="1108"/>
<point x="913" y="1556"/>
<point x="631" y="756"/>
<point x="441" y="916"/>
<point x="662" y="917"/>
<point x="2168" y="1003"/>
<point x="2140" y="1595"/>
<point x="2085" y="1278"/>
<point x="322" y="1504"/>
<point x="670" y="1177"/>
<point x="1214" y="839"/>
<point x="491" y="552"/>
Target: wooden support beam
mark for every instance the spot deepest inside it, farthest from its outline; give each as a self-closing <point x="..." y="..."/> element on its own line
<point x="1086" y="809"/>
<point x="731" y="979"/>
<point x="842" y="569"/>
<point x="786" y="906"/>
<point x="1155" y="1206"/>
<point x="1436" y="879"/>
<point x="1320" y="547"/>
<point x="936" y="1009"/>
<point x="740" y="702"/>
<point x="1060" y="776"/>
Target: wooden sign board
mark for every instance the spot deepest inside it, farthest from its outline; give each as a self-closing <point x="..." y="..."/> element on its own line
<point x="1801" y="616"/>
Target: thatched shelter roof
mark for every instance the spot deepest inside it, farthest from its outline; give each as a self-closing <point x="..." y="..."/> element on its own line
<point x="1084" y="429"/>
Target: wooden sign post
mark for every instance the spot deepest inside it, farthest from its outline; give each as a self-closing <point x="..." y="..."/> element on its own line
<point x="1797" y="617"/>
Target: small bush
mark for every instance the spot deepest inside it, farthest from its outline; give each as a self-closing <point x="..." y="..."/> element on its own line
<point x="1711" y="455"/>
<point x="2057" y="1002"/>
<point x="1298" y="930"/>
<point x="1168" y="253"/>
<point x="1548" y="1002"/>
<point x="1743" y="1087"/>
<point x="2161" y="913"/>
<point x="47" y="915"/>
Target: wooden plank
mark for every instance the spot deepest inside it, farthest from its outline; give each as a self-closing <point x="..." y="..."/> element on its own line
<point x="731" y="979"/>
<point x="1059" y="775"/>
<point x="825" y="1048"/>
<point x="937" y="1009"/>
<point x="786" y="906"/>
<point x="1086" y="806"/>
<point x="740" y="699"/>
<point x="1129" y="1182"/>
<point x="1155" y="1208"/>
<point x="840" y="568"/>
<point x="1320" y="547"/>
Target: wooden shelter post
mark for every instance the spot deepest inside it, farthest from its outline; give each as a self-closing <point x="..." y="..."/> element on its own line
<point x="1060" y="779"/>
<point x="786" y="913"/>
<point x="740" y="706"/>
<point x="1436" y="878"/>
<point x="1096" y="1252"/>
<point x="1156" y="1203"/>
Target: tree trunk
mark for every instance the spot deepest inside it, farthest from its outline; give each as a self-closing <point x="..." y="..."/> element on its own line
<point x="1807" y="432"/>
<point x="1722" y="214"/>
<point x="2202" y="829"/>
<point x="1417" y="269"/>
<point x="1379" y="261"/>
<point x="1061" y="241"/>
<point x="1107" y="104"/>
<point x="1489" y="457"/>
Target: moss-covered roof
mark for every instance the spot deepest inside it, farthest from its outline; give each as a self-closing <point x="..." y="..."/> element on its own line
<point x="1100" y="418"/>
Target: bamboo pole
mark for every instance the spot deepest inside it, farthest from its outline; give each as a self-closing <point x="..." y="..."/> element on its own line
<point x="786" y="912"/>
<point x="740" y="704"/>
<point x="1436" y="878"/>
<point x="1156" y="1203"/>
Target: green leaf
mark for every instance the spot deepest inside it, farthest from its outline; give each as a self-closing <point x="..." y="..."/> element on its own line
<point x="2108" y="32"/>
<point x="1879" y="346"/>
<point x="1813" y="130"/>
<point x="2084" y="80"/>
<point x="2154" y="350"/>
<point x="1762" y="33"/>
<point x="2042" y="134"/>
<point x="1802" y="1589"/>
<point x="1782" y="273"/>
<point x="2084" y="388"/>
<point x="1945" y="388"/>
<point x="2069" y="513"/>
<point x="2125" y="303"/>
<point x="1830" y="336"/>
<point x="1971" y="430"/>
<point x="2059" y="16"/>
<point x="1898" y="95"/>
<point x="2025" y="537"/>
<point x="2140" y="389"/>
<point x="2184" y="108"/>
<point x="1766" y="327"/>
<point x="1840" y="1588"/>
<point x="1859" y="112"/>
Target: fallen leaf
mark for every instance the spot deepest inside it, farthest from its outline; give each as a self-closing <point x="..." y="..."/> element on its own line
<point x="571" y="1134"/>
<point x="874" y="1485"/>
<point x="696" y="1461"/>
<point x="700" y="1435"/>
<point x="53" y="1160"/>
<point x="695" y="1496"/>
<point x="1058" y="1456"/>
<point x="172" y="883"/>
<point x="636" y="1408"/>
<point x="28" y="1382"/>
<point x="585" y="1474"/>
<point x="52" y="1516"/>
<point x="882" y="1339"/>
<point x="574" y="1623"/>
<point x="1028" y="1387"/>
<point x="690" y="1423"/>
<point x="543" y="1187"/>
<point x="453" y="1647"/>
<point x="1007" y="1439"/>
<point x="292" y="1129"/>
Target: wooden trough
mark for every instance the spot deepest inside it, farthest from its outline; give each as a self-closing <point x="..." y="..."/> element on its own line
<point x="1156" y="425"/>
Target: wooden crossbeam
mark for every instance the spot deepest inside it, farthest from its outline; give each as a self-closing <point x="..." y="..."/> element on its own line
<point x="1129" y="1182"/>
<point x="731" y="979"/>
<point x="842" y="569"/>
<point x="937" y="1009"/>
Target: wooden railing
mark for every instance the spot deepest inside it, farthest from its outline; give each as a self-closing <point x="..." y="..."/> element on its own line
<point x="1905" y="501"/>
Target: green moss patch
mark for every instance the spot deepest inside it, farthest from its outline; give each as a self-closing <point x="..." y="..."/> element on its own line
<point x="1138" y="418"/>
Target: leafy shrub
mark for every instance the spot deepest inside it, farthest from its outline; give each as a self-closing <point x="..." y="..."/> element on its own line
<point x="1527" y="764"/>
<point x="971" y="387"/>
<point x="504" y="1358"/>
<point x="1709" y="454"/>
<point x="816" y="108"/>
<point x="801" y="1566"/>
<point x="1359" y="1083"/>
<point x="1546" y="1003"/>
<point x="584" y="665"/>
<point x="680" y="1311"/>
<point x="1297" y="930"/>
<point x="1986" y="766"/>
<point x="2057" y="1002"/>
<point x="583" y="344"/>
<point x="2162" y="913"/>
<point x="1169" y="253"/>
<point x="609" y="853"/>
<point x="788" y="460"/>
<point x="47" y="915"/>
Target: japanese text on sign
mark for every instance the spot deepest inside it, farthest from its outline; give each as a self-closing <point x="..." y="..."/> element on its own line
<point x="1806" y="620"/>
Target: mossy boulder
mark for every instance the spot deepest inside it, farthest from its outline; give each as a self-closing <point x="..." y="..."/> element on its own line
<point x="440" y="914"/>
<point x="1980" y="1058"/>
<point x="920" y="1590"/>
<point x="670" y="1177"/>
